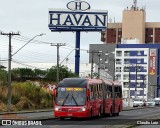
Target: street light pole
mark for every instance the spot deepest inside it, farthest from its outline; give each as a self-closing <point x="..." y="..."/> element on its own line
<point x="27" y="43"/>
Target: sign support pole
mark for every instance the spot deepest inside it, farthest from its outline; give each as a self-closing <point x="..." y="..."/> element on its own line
<point x="77" y="53"/>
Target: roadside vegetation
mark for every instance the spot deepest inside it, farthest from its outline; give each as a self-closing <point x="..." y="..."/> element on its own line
<point x="30" y="88"/>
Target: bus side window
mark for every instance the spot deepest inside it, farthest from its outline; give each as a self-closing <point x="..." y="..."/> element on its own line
<point x="120" y="92"/>
<point x="107" y="92"/>
<point x="94" y="90"/>
<point x="110" y="91"/>
<point x="100" y="91"/>
<point x="91" y="96"/>
<point x="116" y="92"/>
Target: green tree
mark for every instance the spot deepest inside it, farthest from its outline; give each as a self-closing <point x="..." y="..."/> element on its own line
<point x="63" y="73"/>
<point x="40" y="73"/>
<point x="51" y="74"/>
<point x="22" y="73"/>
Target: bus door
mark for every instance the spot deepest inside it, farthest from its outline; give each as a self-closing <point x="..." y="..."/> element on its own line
<point x="108" y="98"/>
<point x="118" y="98"/>
<point x="93" y="100"/>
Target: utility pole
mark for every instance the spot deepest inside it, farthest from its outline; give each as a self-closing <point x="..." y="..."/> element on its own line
<point x="9" y="68"/>
<point x="92" y="61"/>
<point x="58" y="45"/>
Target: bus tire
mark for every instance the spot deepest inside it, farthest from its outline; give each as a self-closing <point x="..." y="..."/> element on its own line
<point x="117" y="114"/>
<point x="91" y="114"/>
<point x="61" y="118"/>
<point x="111" y="114"/>
<point x="99" y="113"/>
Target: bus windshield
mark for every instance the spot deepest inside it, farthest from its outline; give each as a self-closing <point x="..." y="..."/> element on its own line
<point x="71" y="96"/>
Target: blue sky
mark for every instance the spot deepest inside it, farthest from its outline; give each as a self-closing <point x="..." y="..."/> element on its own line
<point x="30" y="17"/>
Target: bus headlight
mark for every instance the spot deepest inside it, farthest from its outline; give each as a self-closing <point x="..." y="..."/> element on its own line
<point x="83" y="109"/>
<point x="57" y="108"/>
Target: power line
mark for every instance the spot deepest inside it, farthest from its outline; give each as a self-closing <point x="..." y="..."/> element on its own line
<point x="21" y="63"/>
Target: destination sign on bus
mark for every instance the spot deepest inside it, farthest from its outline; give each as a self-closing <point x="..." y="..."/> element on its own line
<point x="72" y="89"/>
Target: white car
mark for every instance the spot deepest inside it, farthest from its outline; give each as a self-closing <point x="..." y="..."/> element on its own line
<point x="138" y="102"/>
<point x="150" y="102"/>
<point x="157" y="101"/>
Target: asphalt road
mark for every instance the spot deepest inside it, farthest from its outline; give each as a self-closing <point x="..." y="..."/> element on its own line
<point x="125" y="119"/>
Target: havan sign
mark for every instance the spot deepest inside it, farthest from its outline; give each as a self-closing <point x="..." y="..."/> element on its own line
<point x="78" y="18"/>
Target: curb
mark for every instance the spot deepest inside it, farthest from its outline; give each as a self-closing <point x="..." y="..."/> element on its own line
<point x="20" y="112"/>
<point x="134" y="108"/>
<point x="47" y="110"/>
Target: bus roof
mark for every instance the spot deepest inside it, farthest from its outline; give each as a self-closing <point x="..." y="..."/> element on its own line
<point x="83" y="82"/>
<point x="117" y="83"/>
<point x="70" y="82"/>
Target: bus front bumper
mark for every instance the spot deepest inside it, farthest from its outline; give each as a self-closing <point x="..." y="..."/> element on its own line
<point x="68" y="114"/>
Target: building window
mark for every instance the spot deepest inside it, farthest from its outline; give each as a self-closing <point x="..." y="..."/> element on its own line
<point x="145" y="69"/>
<point x="126" y="69"/>
<point x="118" y="69"/>
<point x="126" y="53"/>
<point x="126" y="61"/>
<point x="106" y="60"/>
<point x="118" y="61"/>
<point x="126" y="84"/>
<point x="126" y="77"/>
<point x="118" y="77"/>
<point x="106" y="69"/>
<point x="138" y="76"/>
<point x="138" y="68"/>
<point x="138" y="60"/>
<point x="119" y="53"/>
<point x="106" y="53"/>
<point x="119" y="29"/>
<point x="138" y="52"/>
<point x="138" y="84"/>
<point x="138" y="91"/>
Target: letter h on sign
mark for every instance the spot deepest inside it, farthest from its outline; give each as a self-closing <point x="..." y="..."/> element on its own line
<point x="78" y="5"/>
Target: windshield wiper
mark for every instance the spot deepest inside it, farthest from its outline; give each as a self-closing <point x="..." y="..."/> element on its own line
<point x="65" y="99"/>
<point x="74" y="99"/>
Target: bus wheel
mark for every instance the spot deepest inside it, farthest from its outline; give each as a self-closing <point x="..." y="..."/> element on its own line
<point x="110" y="114"/>
<point x="99" y="113"/>
<point x="117" y="114"/>
<point x="61" y="118"/>
<point x="91" y="115"/>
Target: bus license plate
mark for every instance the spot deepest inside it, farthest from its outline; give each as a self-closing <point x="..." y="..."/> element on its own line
<point x="70" y="115"/>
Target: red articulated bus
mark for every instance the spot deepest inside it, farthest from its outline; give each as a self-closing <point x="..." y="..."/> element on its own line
<point x="86" y="98"/>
